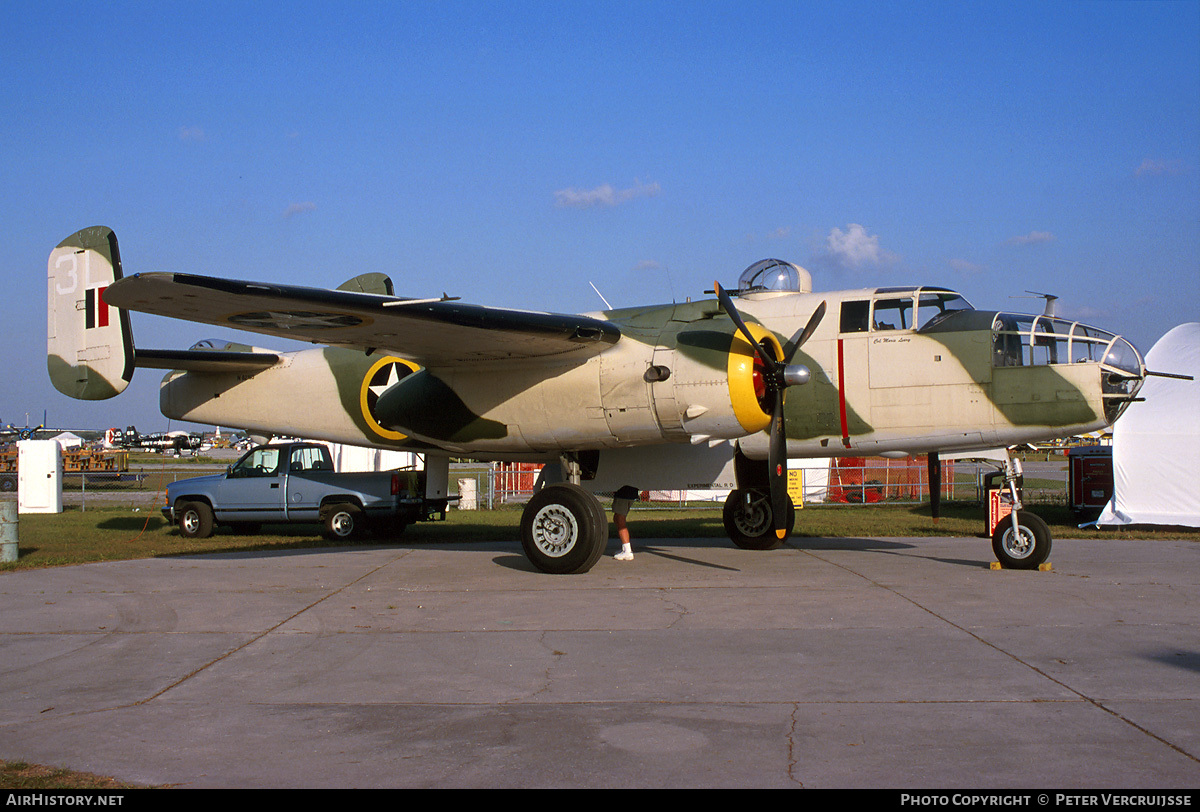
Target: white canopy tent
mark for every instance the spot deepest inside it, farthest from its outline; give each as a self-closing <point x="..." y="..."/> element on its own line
<point x="1156" y="443"/>
<point x="359" y="458"/>
<point x="68" y="439"/>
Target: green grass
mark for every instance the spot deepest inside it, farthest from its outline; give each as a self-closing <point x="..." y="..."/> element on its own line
<point x="22" y="776"/>
<point x="119" y="533"/>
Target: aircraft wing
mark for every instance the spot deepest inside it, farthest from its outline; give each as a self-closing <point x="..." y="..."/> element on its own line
<point x="431" y="332"/>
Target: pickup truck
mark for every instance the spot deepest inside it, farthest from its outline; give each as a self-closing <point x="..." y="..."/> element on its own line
<point x="296" y="483"/>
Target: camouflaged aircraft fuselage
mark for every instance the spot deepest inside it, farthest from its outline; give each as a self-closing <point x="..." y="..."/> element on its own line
<point x="681" y="374"/>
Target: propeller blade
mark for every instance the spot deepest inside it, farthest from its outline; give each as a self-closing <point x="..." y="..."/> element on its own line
<point x="731" y="311"/>
<point x="809" y="329"/>
<point x="777" y="461"/>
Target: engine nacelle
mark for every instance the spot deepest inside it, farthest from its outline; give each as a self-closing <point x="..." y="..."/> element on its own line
<point x="718" y="382"/>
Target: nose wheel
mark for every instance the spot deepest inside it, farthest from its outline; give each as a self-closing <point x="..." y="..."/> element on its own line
<point x="1021" y="540"/>
<point x="1023" y="543"/>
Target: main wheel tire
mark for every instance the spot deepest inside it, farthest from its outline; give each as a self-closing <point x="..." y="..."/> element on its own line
<point x="341" y="522"/>
<point x="1023" y="550"/>
<point x="751" y="527"/>
<point x="195" y="520"/>
<point x="563" y="530"/>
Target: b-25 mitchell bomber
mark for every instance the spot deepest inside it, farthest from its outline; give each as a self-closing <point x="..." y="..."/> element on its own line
<point x="718" y="392"/>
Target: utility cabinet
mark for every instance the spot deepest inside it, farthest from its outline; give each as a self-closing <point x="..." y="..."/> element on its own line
<point x="1090" y="479"/>
<point x="39" y="476"/>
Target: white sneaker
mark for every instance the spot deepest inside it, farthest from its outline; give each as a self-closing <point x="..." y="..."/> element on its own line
<point x="624" y="555"/>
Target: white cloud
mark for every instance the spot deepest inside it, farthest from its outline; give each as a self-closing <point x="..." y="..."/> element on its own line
<point x="1032" y="238"/>
<point x="854" y="247"/>
<point x="603" y="195"/>
<point x="299" y="208"/>
<point x="965" y="267"/>
<point x="1153" y="167"/>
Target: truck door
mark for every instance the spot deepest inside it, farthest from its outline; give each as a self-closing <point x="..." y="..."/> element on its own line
<point x="309" y="469"/>
<point x="254" y="489"/>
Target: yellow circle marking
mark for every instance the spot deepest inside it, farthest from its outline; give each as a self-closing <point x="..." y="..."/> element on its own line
<point x="746" y="408"/>
<point x="365" y="390"/>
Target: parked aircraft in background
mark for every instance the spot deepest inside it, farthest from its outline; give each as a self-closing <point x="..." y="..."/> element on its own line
<point x="175" y="441"/>
<point x="718" y="392"/>
<point x="11" y="432"/>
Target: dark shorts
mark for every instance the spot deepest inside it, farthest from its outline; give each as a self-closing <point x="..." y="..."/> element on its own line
<point x="623" y="498"/>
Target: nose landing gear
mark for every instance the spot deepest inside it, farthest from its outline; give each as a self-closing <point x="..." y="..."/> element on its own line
<point x="1022" y="539"/>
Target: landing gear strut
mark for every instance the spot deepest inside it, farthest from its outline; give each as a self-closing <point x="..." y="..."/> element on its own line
<point x="1021" y="540"/>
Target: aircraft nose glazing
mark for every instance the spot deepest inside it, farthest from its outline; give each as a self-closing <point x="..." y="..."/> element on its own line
<point x="1026" y="340"/>
<point x="1123" y="371"/>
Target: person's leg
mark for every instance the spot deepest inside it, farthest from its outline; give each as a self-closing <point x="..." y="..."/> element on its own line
<point x="620" y="508"/>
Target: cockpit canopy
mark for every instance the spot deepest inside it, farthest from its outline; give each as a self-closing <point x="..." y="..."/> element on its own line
<point x="774" y="276"/>
<point x="901" y="309"/>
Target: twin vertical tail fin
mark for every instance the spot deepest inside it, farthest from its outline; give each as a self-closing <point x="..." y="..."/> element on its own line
<point x="89" y="346"/>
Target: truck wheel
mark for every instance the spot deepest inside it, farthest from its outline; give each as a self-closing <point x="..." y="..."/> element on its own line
<point x="1023" y="550"/>
<point x="195" y="520"/>
<point x="563" y="529"/>
<point x="341" y="522"/>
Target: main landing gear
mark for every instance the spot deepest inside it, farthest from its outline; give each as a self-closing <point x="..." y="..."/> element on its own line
<point x="564" y="530"/>
<point x="748" y="516"/>
<point x="749" y="522"/>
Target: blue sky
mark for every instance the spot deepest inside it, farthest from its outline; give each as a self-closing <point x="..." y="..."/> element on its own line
<point x="512" y="153"/>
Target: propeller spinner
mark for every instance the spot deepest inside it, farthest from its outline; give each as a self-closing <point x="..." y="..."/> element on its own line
<point x="777" y="376"/>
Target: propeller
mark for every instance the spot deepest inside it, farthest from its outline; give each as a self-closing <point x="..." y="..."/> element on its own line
<point x="777" y="376"/>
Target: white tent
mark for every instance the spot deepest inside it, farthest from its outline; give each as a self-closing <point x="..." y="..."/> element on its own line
<point x="359" y="458"/>
<point x="1156" y="443"/>
<point x="68" y="439"/>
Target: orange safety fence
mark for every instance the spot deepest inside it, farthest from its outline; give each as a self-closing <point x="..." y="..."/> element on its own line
<point x="859" y="480"/>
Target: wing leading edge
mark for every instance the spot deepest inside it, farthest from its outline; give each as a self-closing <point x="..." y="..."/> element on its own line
<point x="430" y="332"/>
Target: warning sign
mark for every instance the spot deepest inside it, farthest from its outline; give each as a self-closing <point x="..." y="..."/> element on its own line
<point x="999" y="507"/>
<point x="795" y="487"/>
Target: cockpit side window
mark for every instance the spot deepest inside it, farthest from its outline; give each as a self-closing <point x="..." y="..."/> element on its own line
<point x="856" y="317"/>
<point x="893" y="314"/>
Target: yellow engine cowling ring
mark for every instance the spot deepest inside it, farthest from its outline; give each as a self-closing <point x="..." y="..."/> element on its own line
<point x="744" y="395"/>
